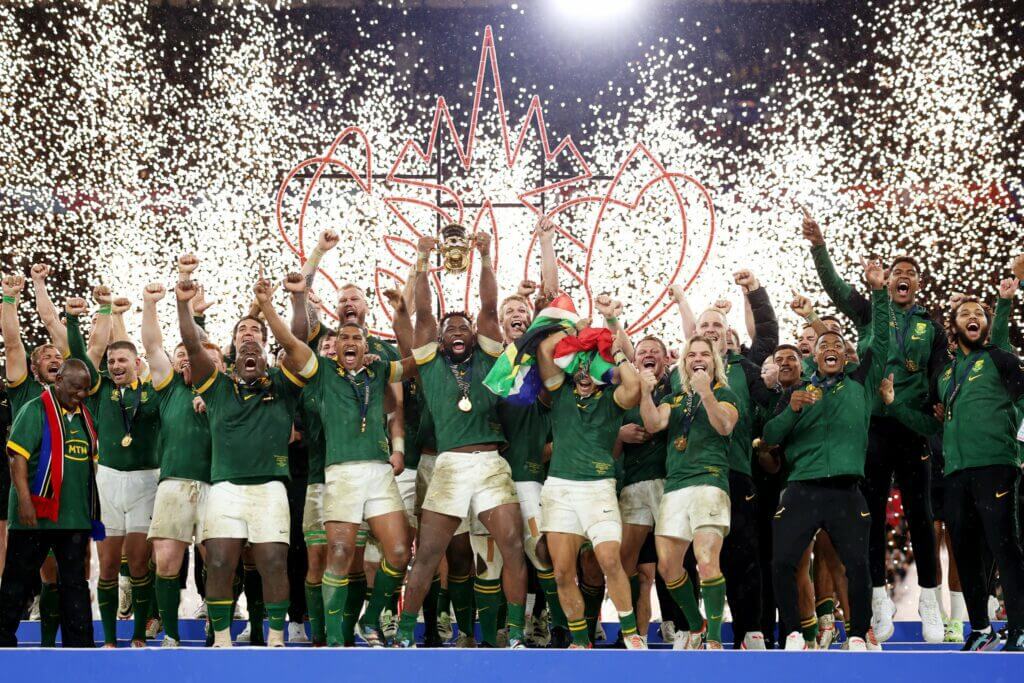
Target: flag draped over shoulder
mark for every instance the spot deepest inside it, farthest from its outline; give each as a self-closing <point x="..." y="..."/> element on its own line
<point x="591" y="347"/>
<point x="514" y="376"/>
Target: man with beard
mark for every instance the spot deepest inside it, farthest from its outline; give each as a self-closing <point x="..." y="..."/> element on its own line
<point x="251" y="414"/>
<point x="917" y="350"/>
<point x="360" y="474"/>
<point x="127" y="414"/>
<point x="51" y="449"/>
<point x="643" y="468"/>
<point x="699" y="420"/>
<point x="974" y="407"/>
<point x="578" y="499"/>
<point x="740" y="554"/>
<point x="179" y="511"/>
<point x="470" y="476"/>
<point x="823" y="432"/>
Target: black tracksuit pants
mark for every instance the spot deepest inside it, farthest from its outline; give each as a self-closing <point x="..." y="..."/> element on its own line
<point x="837" y="506"/>
<point x="982" y="508"/>
<point x="741" y="559"/>
<point x="897" y="454"/>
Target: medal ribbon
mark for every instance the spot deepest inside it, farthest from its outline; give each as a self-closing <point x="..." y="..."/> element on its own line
<point x="901" y="330"/>
<point x="126" y="419"/>
<point x="689" y="413"/>
<point x="464" y="383"/>
<point x="957" y="382"/>
<point x="364" y="405"/>
<point x="827" y="383"/>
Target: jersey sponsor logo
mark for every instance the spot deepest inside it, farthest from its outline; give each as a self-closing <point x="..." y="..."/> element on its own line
<point x="865" y="514"/>
<point x="76" y="450"/>
<point x="281" y="460"/>
<point x="750" y="497"/>
<point x="778" y="513"/>
<point x="915" y="337"/>
<point x="601" y="467"/>
<point x="1000" y="495"/>
<point x="973" y="377"/>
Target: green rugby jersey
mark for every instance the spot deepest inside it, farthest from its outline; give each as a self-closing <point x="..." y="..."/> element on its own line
<point x="701" y="455"/>
<point x="313" y="438"/>
<point x="185" y="448"/>
<point x="26" y="439"/>
<point x="105" y="405"/>
<point x="340" y="398"/>
<point x="644" y="461"/>
<point x="454" y="428"/>
<point x="584" y="431"/>
<point x="251" y="426"/>
<point x="527" y="430"/>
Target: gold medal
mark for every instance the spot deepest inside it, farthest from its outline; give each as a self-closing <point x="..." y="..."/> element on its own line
<point x="465" y="405"/>
<point x="126" y="441"/>
<point x="911" y="366"/>
<point x="680" y="443"/>
<point x="814" y="391"/>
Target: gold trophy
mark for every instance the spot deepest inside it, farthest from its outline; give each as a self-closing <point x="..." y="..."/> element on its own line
<point x="455" y="246"/>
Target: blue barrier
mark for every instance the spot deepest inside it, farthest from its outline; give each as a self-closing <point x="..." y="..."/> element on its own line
<point x="448" y="665"/>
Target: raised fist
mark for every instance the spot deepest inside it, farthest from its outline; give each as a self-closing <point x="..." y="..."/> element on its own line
<point x="154" y="291"/>
<point x="185" y="290"/>
<point x="294" y="283"/>
<point x="887" y="390"/>
<point x="39" y="272"/>
<point x="545" y="228"/>
<point x="101" y="295"/>
<point x="801" y="305"/>
<point x="395" y="299"/>
<point x="723" y="305"/>
<point x="187" y="263"/>
<point x="527" y="288"/>
<point x="1008" y="287"/>
<point x="677" y="294"/>
<point x="13" y="284"/>
<point x="647" y="380"/>
<point x="873" y="273"/>
<point x="745" y="279"/>
<point x="120" y="305"/>
<point x="76" y="305"/>
<point x="701" y="382"/>
<point x="328" y="240"/>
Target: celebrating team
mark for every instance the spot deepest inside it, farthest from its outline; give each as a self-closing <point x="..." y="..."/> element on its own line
<point x="756" y="475"/>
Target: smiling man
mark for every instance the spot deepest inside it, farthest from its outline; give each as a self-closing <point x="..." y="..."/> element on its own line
<point x="917" y="349"/>
<point x="695" y="510"/>
<point x="470" y="477"/>
<point x="974" y="399"/>
<point x="822" y="427"/>
<point x="52" y="447"/>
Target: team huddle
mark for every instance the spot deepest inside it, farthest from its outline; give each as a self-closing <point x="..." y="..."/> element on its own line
<point x="510" y="468"/>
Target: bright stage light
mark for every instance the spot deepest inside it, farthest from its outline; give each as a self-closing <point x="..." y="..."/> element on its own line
<point x="592" y="10"/>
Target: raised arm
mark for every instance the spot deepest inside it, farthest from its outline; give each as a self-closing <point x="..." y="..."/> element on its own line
<point x="202" y="366"/>
<point x="548" y="261"/>
<point x="487" y="320"/>
<point x="45" y="308"/>
<point x="764" y="337"/>
<point x="611" y="309"/>
<point x="627" y="394"/>
<point x="152" y="338"/>
<point x="849" y="302"/>
<point x="689" y="322"/>
<point x="426" y="324"/>
<point x="99" y="335"/>
<point x="328" y="240"/>
<point x="1000" y="335"/>
<point x="654" y="417"/>
<point x="16" y="364"/>
<point x="801" y="305"/>
<point x="75" y="308"/>
<point x="119" y="307"/>
<point x="403" y="331"/>
<point x="300" y="326"/>
<point x="298" y="356"/>
<point x="872" y="367"/>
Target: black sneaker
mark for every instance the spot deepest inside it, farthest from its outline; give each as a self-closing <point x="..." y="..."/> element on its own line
<point x="980" y="642"/>
<point x="1014" y="641"/>
<point x="620" y="643"/>
<point x="431" y="639"/>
